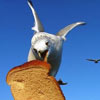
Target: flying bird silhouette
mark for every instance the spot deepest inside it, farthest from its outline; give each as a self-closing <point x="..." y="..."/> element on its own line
<point x="46" y="46"/>
<point x="94" y="60"/>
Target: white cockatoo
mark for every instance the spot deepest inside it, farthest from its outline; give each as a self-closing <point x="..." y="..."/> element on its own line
<point x="46" y="46"/>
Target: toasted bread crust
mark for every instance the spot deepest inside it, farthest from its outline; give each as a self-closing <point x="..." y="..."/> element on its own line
<point x="28" y="65"/>
<point x="52" y="78"/>
<point x="34" y="64"/>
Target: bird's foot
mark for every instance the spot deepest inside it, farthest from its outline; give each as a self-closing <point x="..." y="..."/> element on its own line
<point x="60" y="82"/>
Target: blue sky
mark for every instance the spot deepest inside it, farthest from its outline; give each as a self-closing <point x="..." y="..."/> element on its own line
<point x="16" y="20"/>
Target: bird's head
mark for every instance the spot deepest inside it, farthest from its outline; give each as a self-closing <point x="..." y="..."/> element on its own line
<point x="45" y="45"/>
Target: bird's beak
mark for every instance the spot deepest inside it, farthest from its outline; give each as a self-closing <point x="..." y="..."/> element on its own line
<point x="43" y="55"/>
<point x="45" y="58"/>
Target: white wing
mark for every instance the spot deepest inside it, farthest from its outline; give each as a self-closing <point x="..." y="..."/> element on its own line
<point x="63" y="32"/>
<point x="38" y="25"/>
<point x="31" y="56"/>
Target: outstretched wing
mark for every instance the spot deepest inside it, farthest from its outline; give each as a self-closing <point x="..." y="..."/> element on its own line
<point x="38" y="25"/>
<point x="63" y="32"/>
<point x="98" y="60"/>
<point x="90" y="59"/>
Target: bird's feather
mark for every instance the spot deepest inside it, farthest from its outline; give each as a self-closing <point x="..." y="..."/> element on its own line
<point x="98" y="59"/>
<point x="63" y="32"/>
<point x="38" y="25"/>
<point x="90" y="59"/>
<point x="94" y="60"/>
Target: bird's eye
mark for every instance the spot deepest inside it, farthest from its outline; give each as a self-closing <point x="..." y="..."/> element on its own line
<point x="47" y="43"/>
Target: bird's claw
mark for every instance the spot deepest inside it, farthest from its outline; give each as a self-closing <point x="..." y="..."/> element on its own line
<point x="60" y="82"/>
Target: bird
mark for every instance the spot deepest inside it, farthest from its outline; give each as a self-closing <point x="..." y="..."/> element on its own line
<point x="94" y="60"/>
<point x="46" y="46"/>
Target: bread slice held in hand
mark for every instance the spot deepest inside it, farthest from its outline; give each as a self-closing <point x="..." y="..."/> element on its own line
<point x="31" y="81"/>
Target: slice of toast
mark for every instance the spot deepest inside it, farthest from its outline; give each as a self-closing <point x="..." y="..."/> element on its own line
<point x="31" y="81"/>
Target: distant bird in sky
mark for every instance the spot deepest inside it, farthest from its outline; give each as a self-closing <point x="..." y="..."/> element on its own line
<point x="94" y="60"/>
<point x="46" y="46"/>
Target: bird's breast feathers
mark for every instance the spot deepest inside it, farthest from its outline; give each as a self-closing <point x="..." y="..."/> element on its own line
<point x="43" y="41"/>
